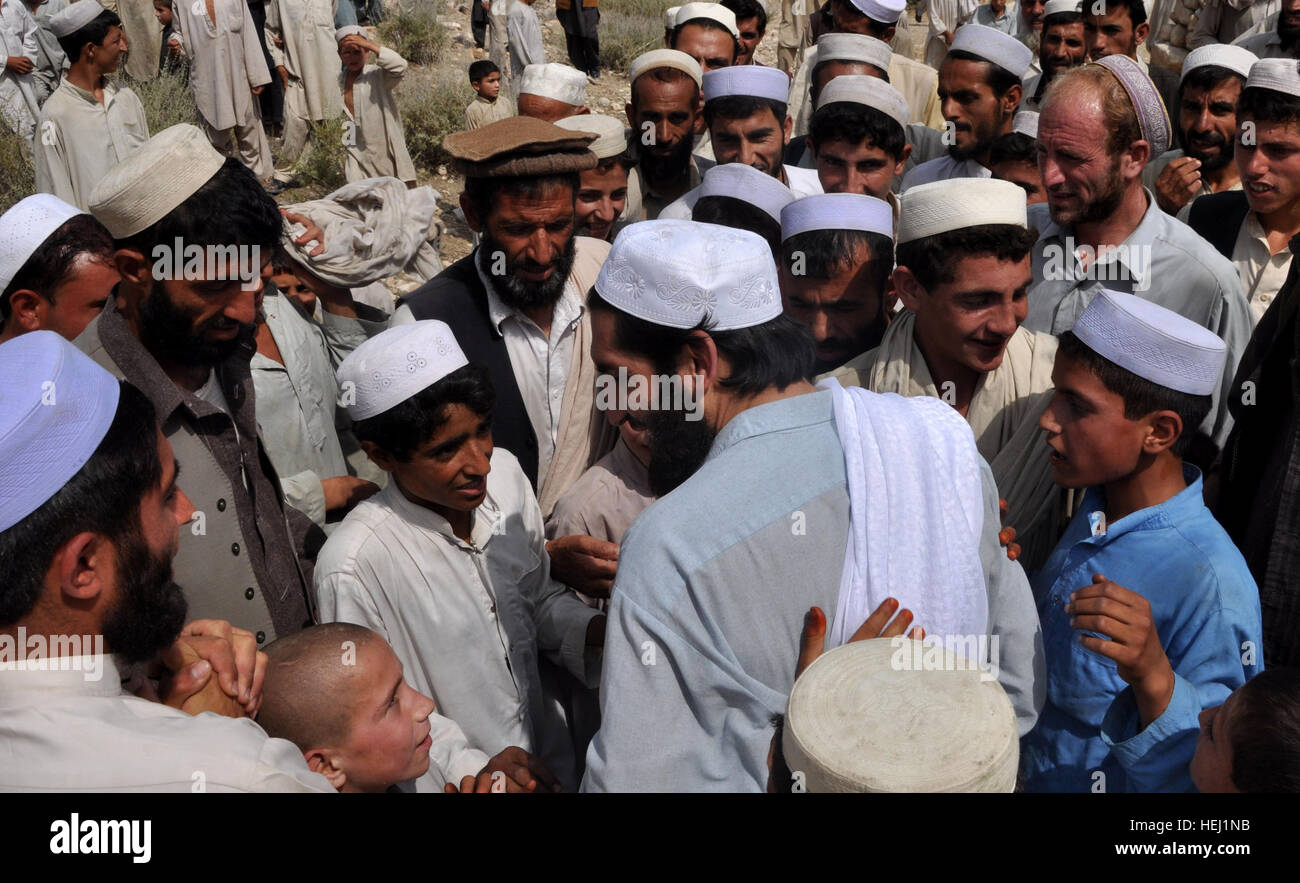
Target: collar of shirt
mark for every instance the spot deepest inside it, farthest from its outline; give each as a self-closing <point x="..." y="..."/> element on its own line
<point x="48" y="678"/>
<point x="484" y="525"/>
<point x="1140" y="241"/>
<point x="1181" y="508"/>
<point x="779" y="416"/>
<point x="568" y="309"/>
<point x="110" y="91"/>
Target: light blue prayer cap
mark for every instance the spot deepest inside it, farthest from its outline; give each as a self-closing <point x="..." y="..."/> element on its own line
<point x="56" y="406"/>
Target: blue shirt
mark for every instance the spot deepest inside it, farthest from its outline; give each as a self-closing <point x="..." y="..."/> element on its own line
<point x="1206" y="610"/>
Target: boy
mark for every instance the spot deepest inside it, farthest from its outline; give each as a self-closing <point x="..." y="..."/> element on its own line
<point x="377" y="146"/>
<point x="1014" y="157"/>
<point x="1133" y="381"/>
<point x="489" y="105"/>
<point x="338" y="693"/>
<point x="602" y="191"/>
<point x="449" y="561"/>
<point x="88" y="125"/>
<point x="171" y="58"/>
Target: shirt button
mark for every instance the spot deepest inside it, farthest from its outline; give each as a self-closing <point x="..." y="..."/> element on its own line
<point x="221" y="505"/>
<point x="261" y="637"/>
<point x="248" y="593"/>
<point x="234" y="548"/>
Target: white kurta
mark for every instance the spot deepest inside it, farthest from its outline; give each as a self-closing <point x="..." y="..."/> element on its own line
<point x="467" y="620"/>
<point x="65" y="733"/>
<point x="946" y="15"/>
<point x="18" y="103"/>
<point x="144" y="35"/>
<point x="226" y="61"/>
<point x="310" y="52"/>
<point x="525" y="36"/>
<point x="379" y="148"/>
<point x="80" y="139"/>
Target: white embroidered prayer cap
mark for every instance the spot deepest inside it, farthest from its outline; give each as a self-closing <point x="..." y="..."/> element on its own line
<point x="657" y="58"/>
<point x="1277" y="74"/>
<point x="74" y="17"/>
<point x="883" y="11"/>
<point x="347" y="31"/>
<point x="1056" y="7"/>
<point x="870" y="91"/>
<point x="1026" y="123"/>
<point x="394" y="365"/>
<point x="747" y="184"/>
<point x="56" y="406"/>
<point x="1234" y="58"/>
<point x="752" y="80"/>
<point x="161" y="174"/>
<point x="670" y="17"/>
<point x="676" y="273"/>
<point x="715" y="11"/>
<point x="837" y="211"/>
<point x="854" y="47"/>
<point x="957" y="203"/>
<point x="894" y="715"/>
<point x="1154" y="343"/>
<point x="994" y="47"/>
<point x="557" y="81"/>
<point x="611" y="135"/>
<point x="25" y="227"/>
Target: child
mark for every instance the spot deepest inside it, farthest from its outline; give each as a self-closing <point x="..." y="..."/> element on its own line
<point x="490" y="105"/>
<point x="171" y="59"/>
<point x="376" y="143"/>
<point x="88" y="125"/>
<point x="1014" y="157"/>
<point x="337" y="692"/>
<point x="449" y="561"/>
<point x="1133" y="381"/>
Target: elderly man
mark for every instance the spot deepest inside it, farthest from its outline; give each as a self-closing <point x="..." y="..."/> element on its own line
<point x="1211" y="85"/>
<point x="1101" y="229"/>
<point x="1119" y="27"/>
<point x="963" y="274"/>
<point x="1062" y="46"/>
<point x="769" y="501"/>
<point x="180" y="327"/>
<point x="1029" y="19"/>
<point x="979" y="85"/>
<point x="552" y="92"/>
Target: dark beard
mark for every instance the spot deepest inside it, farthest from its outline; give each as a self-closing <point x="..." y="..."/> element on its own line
<point x="1212" y="165"/>
<point x="678" y="448"/>
<point x="519" y="293"/>
<point x="150" y="609"/>
<point x="666" y="168"/>
<point x="168" y="333"/>
<point x="1290" y="36"/>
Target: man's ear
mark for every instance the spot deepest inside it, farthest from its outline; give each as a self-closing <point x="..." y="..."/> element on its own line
<point x="29" y="310"/>
<point x="1166" y="428"/>
<point x="889" y="33"/>
<point x="789" y="128"/>
<point x="1142" y="31"/>
<point x="472" y="220"/>
<point x="700" y="357"/>
<point x="908" y="288"/>
<point x="582" y="110"/>
<point x="320" y="760"/>
<point x="85" y="566"/>
<point x="902" y="160"/>
<point x="135" y="269"/>
<point x="379" y="456"/>
<point x="1011" y="99"/>
<point x="1135" y="159"/>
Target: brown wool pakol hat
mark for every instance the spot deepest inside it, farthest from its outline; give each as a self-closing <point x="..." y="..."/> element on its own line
<point x="518" y="146"/>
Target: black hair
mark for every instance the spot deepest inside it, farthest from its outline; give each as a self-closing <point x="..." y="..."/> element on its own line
<point x="1062" y="18"/>
<point x="482" y="68"/>
<point x="822" y="254"/>
<point x="854" y="123"/>
<point x="93" y="32"/>
<point x="403" y="428"/>
<point x="666" y="75"/>
<point x="1137" y="10"/>
<point x="728" y="211"/>
<point x="776" y="353"/>
<point x="1141" y="396"/>
<point x="878" y="29"/>
<point x="933" y="259"/>
<point x="104" y="498"/>
<point x="483" y="193"/>
<point x="1206" y="77"/>
<point x="1268" y="106"/>
<point x="739" y="107"/>
<point x="55" y="260"/>
<point x="709" y="25"/>
<point x="1266" y="733"/>
<point x="747" y="9"/>
<point x="998" y="78"/>
<point x="1014" y="147"/>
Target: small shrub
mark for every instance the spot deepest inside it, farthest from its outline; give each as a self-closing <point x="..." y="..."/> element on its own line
<point x="167" y="101"/>
<point x="17" y="177"/>
<point x="413" y="32"/>
<point x="432" y="107"/>
<point x="322" y="163"/>
<point x="629" y="28"/>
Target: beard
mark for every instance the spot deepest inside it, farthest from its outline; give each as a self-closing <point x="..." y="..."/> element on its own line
<point x="1288" y="31"/>
<point x="1108" y="199"/>
<point x="521" y="293"/>
<point x="168" y="332"/>
<point x="1216" y="162"/>
<point x="671" y="165"/>
<point x="984" y="138"/>
<point x="678" y="447"/>
<point x="150" y="609"/>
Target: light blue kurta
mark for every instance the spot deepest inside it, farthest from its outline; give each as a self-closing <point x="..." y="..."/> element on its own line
<point x="1206" y="610"/>
<point x="713" y="583"/>
<point x="1157" y="757"/>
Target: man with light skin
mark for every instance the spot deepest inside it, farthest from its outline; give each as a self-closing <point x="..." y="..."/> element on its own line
<point x="602" y="191"/>
<point x="1212" y="80"/>
<point x="707" y="33"/>
<point x="858" y="140"/>
<point x="1119" y="27"/>
<point x="1062" y="45"/>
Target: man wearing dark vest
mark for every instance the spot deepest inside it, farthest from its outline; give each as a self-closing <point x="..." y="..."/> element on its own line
<point x="518" y="305"/>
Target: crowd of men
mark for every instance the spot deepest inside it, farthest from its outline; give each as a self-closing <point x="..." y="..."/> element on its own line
<point x="855" y="424"/>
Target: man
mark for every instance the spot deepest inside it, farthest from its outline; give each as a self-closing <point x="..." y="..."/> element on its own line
<point x="979" y="85"/>
<point x="179" y="327"/>
<point x="1223" y="21"/>
<point x="744" y="108"/>
<point x="87" y="539"/>
<point x="50" y="59"/>
<point x="552" y="92"/>
<point x="1062" y="46"/>
<point x="1119" y="27"/>
<point x="946" y="18"/>
<point x="1104" y="227"/>
<point x="525" y="36"/>
<point x="1281" y="38"/>
<point x="665" y="112"/>
<point x="707" y="32"/>
<point x="19" y="106"/>
<point x="858" y="139"/>
<point x="995" y="14"/>
<point x="602" y="191"/>
<point x="836" y="255"/>
<point x="56" y="268"/>
<point x="227" y="74"/>
<point x="88" y="125"/>
<point x="792" y="27"/>
<point x="751" y="24"/>
<point x="580" y="37"/>
<point x="962" y="275"/>
<point x="1211" y="85"/>
<point x="741" y="197"/>
<point x="300" y="37"/>
<point x="760" y="508"/>
<point x="1253" y="224"/>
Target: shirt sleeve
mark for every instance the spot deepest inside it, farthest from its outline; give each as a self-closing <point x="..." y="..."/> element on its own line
<point x="341" y="597"/>
<point x="450" y="756"/>
<point x="1157" y="758"/>
<point x="393" y="66"/>
<point x="254" y="60"/>
<point x="51" y="163"/>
